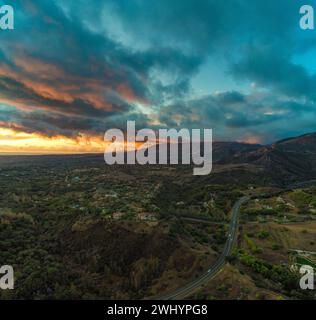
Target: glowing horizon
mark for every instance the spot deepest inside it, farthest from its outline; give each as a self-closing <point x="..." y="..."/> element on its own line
<point x="20" y="142"/>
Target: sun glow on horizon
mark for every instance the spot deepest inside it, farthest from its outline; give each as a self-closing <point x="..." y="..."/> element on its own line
<point x="12" y="141"/>
<point x="17" y="142"/>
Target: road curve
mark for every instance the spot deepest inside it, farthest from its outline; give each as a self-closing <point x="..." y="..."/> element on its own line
<point x="219" y="264"/>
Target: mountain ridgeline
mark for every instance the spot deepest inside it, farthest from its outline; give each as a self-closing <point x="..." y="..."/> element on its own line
<point x="289" y="161"/>
<point x="284" y="162"/>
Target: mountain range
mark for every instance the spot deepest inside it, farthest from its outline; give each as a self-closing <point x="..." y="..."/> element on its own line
<point x="292" y="159"/>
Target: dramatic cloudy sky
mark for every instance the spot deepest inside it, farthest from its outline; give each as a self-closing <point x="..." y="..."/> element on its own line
<point x="72" y="69"/>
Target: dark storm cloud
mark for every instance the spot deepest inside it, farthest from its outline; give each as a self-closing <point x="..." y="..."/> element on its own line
<point x="206" y="26"/>
<point x="252" y="116"/>
<point x="55" y="124"/>
<point x="11" y="88"/>
<point x="271" y="67"/>
<point x="82" y="66"/>
<point x="49" y="124"/>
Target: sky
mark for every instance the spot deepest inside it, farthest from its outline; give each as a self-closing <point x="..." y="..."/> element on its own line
<point x="72" y="69"/>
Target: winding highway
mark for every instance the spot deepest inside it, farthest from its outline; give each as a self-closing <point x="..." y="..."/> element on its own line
<point x="219" y="264"/>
